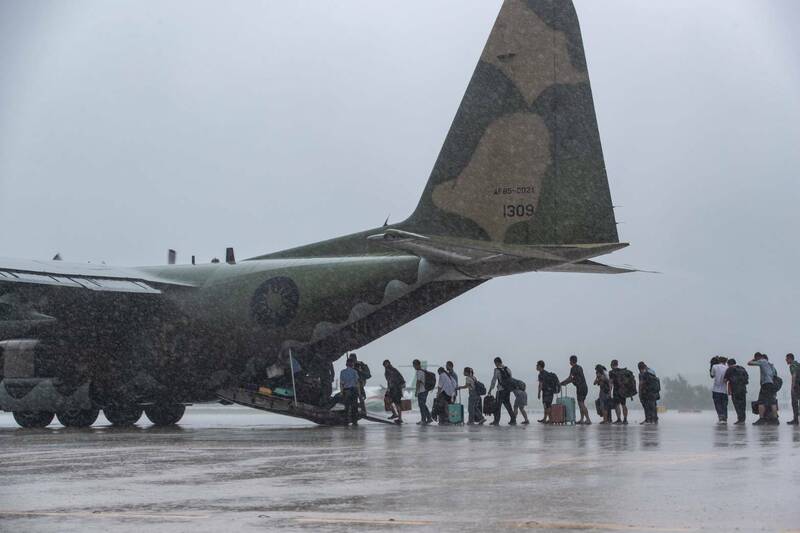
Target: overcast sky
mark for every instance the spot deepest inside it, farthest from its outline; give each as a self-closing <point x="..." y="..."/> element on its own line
<point x="130" y="127"/>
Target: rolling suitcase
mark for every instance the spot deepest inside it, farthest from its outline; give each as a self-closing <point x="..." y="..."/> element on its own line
<point x="455" y="413"/>
<point x="558" y="414"/>
<point x="489" y="404"/>
<point x="569" y="405"/>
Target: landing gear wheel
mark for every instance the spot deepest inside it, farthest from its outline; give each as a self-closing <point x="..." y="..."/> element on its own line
<point x="79" y="418"/>
<point x="122" y="415"/>
<point x="165" y="414"/>
<point x="33" y="419"/>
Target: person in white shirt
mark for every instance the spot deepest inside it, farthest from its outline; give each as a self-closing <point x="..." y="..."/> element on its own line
<point x="719" y="392"/>
<point x="474" y="400"/>
<point x="446" y="391"/>
<point x="422" y="393"/>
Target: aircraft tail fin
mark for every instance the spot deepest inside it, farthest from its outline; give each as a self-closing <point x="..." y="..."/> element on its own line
<point x="523" y="163"/>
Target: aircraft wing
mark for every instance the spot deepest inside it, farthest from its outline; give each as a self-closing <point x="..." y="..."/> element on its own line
<point x="486" y="258"/>
<point x="93" y="277"/>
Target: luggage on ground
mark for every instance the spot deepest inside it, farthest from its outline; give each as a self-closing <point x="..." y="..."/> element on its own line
<point x="558" y="414"/>
<point x="387" y="404"/>
<point x="489" y="404"/>
<point x="455" y="413"/>
<point x="569" y="405"/>
<point x="405" y="405"/>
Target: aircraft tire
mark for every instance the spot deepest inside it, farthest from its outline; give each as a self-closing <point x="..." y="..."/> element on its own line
<point x="165" y="414"/>
<point x="33" y="419"/>
<point x="79" y="418"/>
<point x="122" y="415"/>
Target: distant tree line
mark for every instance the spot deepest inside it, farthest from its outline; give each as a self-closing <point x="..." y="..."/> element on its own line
<point x="677" y="393"/>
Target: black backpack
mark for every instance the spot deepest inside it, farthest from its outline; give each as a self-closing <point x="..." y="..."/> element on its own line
<point x="777" y="382"/>
<point x="550" y="384"/>
<point x="739" y="378"/>
<point x="480" y="388"/>
<point x="518" y="385"/>
<point x="363" y="371"/>
<point x="430" y="381"/>
<point x="627" y="383"/>
<point x="506" y="380"/>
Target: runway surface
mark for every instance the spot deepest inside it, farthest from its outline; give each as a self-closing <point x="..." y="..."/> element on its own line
<point x="233" y="469"/>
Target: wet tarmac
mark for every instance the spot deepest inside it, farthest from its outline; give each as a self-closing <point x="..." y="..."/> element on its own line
<point x="232" y="469"/>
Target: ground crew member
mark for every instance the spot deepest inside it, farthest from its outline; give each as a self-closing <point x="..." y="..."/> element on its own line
<point x="422" y="394"/>
<point x="767" y="399"/>
<point x="649" y="393"/>
<point x="577" y="378"/>
<point x="395" y="383"/>
<point x="502" y="378"/>
<point x="618" y="400"/>
<point x="736" y="378"/>
<point x="348" y="382"/>
<point x="719" y="392"/>
<point x="794" y="369"/>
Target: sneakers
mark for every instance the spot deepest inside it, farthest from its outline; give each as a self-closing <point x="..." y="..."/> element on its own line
<point x="759" y="422"/>
<point x="793" y="422"/>
<point x="617" y="423"/>
<point x="495" y="424"/>
<point x="526" y="422"/>
<point x="738" y="423"/>
<point x="625" y="422"/>
<point x="512" y="423"/>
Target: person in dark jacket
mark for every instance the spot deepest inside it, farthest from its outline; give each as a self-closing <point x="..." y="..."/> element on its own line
<point x="502" y="378"/>
<point x="395" y="383"/>
<point x="736" y="379"/>
<point x="648" y="393"/>
<point x="618" y="400"/>
<point x="577" y="378"/>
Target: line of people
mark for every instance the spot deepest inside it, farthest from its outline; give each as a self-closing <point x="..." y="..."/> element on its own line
<point x="615" y="389"/>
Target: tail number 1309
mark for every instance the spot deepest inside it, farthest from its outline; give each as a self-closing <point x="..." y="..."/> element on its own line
<point x="517" y="211"/>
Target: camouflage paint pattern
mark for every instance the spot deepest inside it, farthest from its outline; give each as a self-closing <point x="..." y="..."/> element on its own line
<point x="522" y="165"/>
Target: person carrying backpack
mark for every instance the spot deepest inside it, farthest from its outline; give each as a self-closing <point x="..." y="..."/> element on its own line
<point x="767" y="395"/>
<point x="520" y="400"/>
<point x="649" y="393"/>
<point x="736" y="378"/>
<point x="424" y="386"/>
<point x="719" y="390"/>
<point x="623" y="386"/>
<point x="476" y="390"/>
<point x="502" y="378"/>
<point x="363" y="375"/>
<point x="395" y="383"/>
<point x="548" y="387"/>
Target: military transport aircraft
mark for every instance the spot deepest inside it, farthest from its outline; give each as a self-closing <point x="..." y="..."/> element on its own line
<point x="519" y="186"/>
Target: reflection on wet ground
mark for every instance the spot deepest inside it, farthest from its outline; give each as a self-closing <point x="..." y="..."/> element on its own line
<point x="233" y="469"/>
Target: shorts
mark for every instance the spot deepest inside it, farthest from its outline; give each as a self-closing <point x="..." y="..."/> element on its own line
<point x="618" y="400"/>
<point x="766" y="396"/>
<point x="520" y="401"/>
<point x="547" y="401"/>
<point x="395" y="394"/>
<point x="582" y="393"/>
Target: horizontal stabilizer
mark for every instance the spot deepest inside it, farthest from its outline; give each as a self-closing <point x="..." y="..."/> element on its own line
<point x="489" y="259"/>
